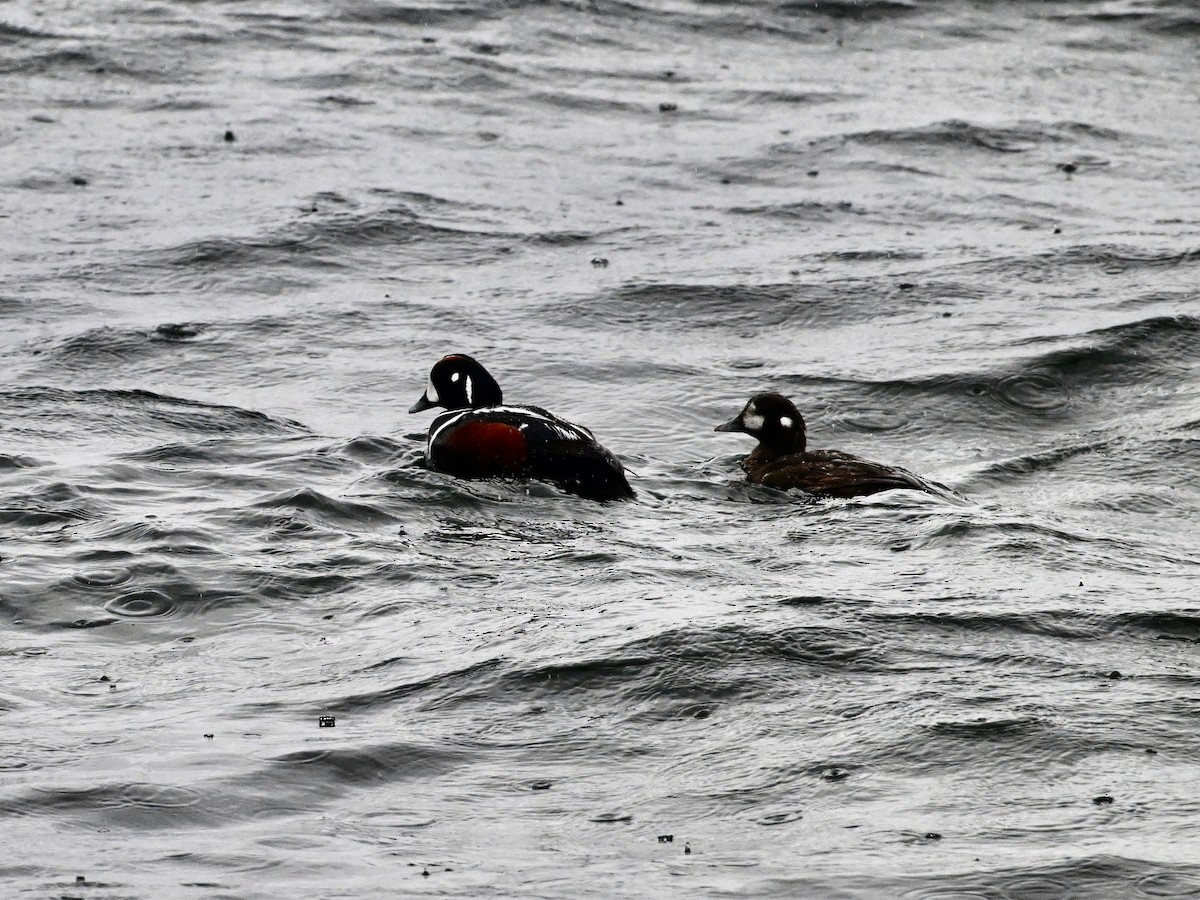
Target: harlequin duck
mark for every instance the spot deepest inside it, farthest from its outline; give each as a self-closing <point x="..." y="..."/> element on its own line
<point x="782" y="460"/>
<point x="480" y="437"/>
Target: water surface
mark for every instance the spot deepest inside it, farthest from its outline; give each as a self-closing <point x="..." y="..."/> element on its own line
<point x="963" y="237"/>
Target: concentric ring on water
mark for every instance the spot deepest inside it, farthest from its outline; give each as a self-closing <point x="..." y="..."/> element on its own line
<point x="781" y="818"/>
<point x="1038" y="392"/>
<point x="143" y="604"/>
<point x="1169" y="884"/>
<point x="102" y="577"/>
<point x="157" y="796"/>
<point x="867" y="419"/>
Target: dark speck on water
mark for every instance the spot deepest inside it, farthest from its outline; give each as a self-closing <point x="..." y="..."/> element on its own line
<point x="212" y="493"/>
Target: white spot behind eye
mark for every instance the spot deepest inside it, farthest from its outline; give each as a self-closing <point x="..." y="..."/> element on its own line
<point x="785" y="422"/>
<point x="431" y="393"/>
<point x="753" y="422"/>
<point x="470" y="389"/>
<point x="454" y="376"/>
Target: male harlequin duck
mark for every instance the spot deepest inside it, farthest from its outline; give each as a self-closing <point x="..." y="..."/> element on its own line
<point x="480" y="437"/>
<point x="782" y="460"/>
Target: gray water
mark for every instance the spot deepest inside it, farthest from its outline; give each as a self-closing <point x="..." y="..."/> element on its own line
<point x="963" y="236"/>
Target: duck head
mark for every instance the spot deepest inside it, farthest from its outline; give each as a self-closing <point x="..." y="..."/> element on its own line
<point x="459" y="382"/>
<point x="774" y="420"/>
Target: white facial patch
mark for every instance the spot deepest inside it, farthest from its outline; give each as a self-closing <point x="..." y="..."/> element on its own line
<point x="470" y="390"/>
<point x="431" y="393"/>
<point x="454" y="376"/>
<point x="785" y="421"/>
<point x="753" y="422"/>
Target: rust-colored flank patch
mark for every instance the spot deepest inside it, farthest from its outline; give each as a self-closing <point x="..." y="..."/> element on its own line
<point x="491" y="444"/>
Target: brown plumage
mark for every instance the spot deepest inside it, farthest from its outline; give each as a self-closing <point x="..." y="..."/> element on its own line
<point x="782" y="458"/>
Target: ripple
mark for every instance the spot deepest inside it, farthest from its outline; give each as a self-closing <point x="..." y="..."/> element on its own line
<point x="143" y="604"/>
<point x="1040" y="888"/>
<point x="392" y="820"/>
<point x="1169" y="884"/>
<point x="102" y="577"/>
<point x="875" y="419"/>
<point x="781" y="818"/>
<point x="611" y="818"/>
<point x="1037" y="392"/>
<point x="157" y="796"/>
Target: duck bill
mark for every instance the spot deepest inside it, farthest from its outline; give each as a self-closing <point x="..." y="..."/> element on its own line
<point x="732" y="425"/>
<point x="421" y="405"/>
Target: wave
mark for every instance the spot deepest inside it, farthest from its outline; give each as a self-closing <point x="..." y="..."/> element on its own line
<point x="91" y="63"/>
<point x="1133" y="354"/>
<point x="10" y="33"/>
<point x="364" y="764"/>
<point x="960" y="134"/>
<point x="107" y="410"/>
<point x="10" y="462"/>
<point x="312" y="504"/>
<point x="105" y="345"/>
<point x="1180" y="625"/>
<point x="1082" y="877"/>
<point x="802" y="211"/>
<point x="1061" y="624"/>
<point x="931" y="150"/>
<point x="788" y="97"/>
<point x="1107" y="259"/>
<point x="1066" y="624"/>
<point x="1125" y="353"/>
<point x="1177" y="18"/>
<point x="666" y="672"/>
<point x="423" y="15"/>
<point x="860" y="10"/>
<point x="718" y="306"/>
<point x="333" y="233"/>
<point x="51" y="504"/>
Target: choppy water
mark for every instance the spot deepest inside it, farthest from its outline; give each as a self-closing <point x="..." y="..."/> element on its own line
<point x="964" y="237"/>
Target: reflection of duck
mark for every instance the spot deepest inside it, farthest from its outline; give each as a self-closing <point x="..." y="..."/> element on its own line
<point x="482" y="438"/>
<point x="782" y="460"/>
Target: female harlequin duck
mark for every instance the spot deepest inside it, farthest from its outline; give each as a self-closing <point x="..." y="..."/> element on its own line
<point x="782" y="460"/>
<point x="482" y="438"/>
